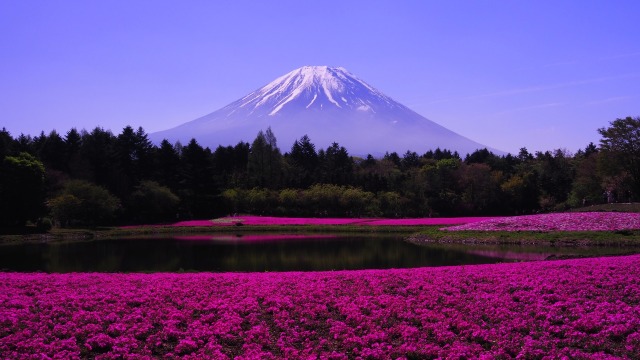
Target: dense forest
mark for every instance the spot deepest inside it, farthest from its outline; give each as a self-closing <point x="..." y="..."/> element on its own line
<point x="87" y="178"/>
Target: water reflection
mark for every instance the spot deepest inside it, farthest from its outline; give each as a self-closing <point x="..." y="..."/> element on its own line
<point x="264" y="252"/>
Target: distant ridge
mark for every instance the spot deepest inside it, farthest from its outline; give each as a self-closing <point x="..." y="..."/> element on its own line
<point x="329" y="104"/>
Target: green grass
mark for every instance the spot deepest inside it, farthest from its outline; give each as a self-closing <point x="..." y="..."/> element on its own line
<point x="557" y="238"/>
<point x="619" y="207"/>
<point x="77" y="234"/>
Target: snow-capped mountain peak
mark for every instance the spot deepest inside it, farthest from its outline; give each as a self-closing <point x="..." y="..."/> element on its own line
<point x="329" y="104"/>
<point x="316" y="87"/>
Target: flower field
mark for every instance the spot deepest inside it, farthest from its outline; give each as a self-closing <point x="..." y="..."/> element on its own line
<point x="587" y="308"/>
<point x="274" y="221"/>
<point x="587" y="221"/>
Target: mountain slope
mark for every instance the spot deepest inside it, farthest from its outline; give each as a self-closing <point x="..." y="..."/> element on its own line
<point x="327" y="104"/>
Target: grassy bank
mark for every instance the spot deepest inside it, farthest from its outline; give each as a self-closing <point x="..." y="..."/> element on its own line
<point x="617" y="207"/>
<point x="84" y="234"/>
<point x="557" y="238"/>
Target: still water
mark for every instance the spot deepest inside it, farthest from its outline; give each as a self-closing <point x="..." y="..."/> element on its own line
<point x="265" y="252"/>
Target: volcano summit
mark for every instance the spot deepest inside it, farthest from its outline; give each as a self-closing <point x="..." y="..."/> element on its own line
<point x="329" y="105"/>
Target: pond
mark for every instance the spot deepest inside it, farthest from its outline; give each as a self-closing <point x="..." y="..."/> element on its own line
<point x="266" y="252"/>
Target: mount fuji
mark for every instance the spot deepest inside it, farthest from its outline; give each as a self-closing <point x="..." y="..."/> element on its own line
<point x="328" y="104"/>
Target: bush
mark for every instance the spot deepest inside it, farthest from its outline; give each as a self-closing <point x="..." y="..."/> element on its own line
<point x="44" y="224"/>
<point x="84" y="203"/>
<point x="152" y="202"/>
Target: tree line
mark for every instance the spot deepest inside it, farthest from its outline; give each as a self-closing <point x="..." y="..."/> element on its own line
<point x="88" y="178"/>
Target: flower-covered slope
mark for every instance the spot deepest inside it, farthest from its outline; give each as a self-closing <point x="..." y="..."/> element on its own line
<point x="587" y="308"/>
<point x="587" y="221"/>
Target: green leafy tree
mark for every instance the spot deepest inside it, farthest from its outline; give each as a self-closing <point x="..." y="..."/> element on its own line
<point x="84" y="203"/>
<point x="22" y="195"/>
<point x="234" y="200"/>
<point x="522" y="192"/>
<point x="480" y="188"/>
<point x="259" y="201"/>
<point x="410" y="160"/>
<point x="392" y="204"/>
<point x="65" y="208"/>
<point x="152" y="202"/>
<point x="586" y="188"/>
<point x="621" y="144"/>
<point x="357" y="203"/>
<point x="324" y="199"/>
<point x="555" y="177"/>
<point x="291" y="202"/>
<point x="442" y="191"/>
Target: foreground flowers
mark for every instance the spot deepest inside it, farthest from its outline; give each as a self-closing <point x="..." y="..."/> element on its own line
<point x="588" y="308"/>
<point x="588" y="221"/>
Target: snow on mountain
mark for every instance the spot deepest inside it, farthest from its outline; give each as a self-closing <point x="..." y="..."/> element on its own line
<point x="329" y="105"/>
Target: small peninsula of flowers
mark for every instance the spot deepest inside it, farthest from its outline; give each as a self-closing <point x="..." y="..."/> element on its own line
<point x="578" y="309"/>
<point x="271" y="221"/>
<point x="585" y="221"/>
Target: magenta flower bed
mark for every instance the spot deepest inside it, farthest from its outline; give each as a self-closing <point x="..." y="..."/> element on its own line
<point x="584" y="309"/>
<point x="588" y="221"/>
<point x="269" y="220"/>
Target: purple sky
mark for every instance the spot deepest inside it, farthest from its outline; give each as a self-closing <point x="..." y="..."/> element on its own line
<point x="508" y="74"/>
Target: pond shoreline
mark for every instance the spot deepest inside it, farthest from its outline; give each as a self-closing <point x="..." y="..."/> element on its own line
<point x="87" y="234"/>
<point x="555" y="229"/>
<point x="415" y="234"/>
<point x="541" y="238"/>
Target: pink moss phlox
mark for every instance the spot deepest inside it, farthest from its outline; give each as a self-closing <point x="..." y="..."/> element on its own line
<point x="587" y="221"/>
<point x="585" y="308"/>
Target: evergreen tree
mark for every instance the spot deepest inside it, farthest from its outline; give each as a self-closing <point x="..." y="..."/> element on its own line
<point x="52" y="151"/>
<point x="336" y="165"/>
<point x="304" y="162"/>
<point x="133" y="153"/>
<point x="167" y="165"/>
<point x="197" y="186"/>
<point x="97" y="163"/>
<point x="264" y="162"/>
<point x="6" y="143"/>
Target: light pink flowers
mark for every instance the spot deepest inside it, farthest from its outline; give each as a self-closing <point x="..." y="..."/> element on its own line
<point x="588" y="221"/>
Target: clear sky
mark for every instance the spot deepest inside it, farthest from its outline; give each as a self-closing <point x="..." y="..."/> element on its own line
<point x="509" y="74"/>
